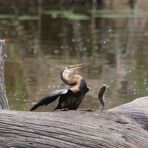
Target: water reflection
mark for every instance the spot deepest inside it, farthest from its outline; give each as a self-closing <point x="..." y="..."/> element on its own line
<point x="114" y="50"/>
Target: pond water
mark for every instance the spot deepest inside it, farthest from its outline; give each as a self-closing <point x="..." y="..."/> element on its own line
<point x="113" y="47"/>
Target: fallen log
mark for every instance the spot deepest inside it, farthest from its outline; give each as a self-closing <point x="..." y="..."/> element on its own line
<point x="123" y="127"/>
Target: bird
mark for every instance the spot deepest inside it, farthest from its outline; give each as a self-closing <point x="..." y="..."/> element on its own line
<point x="101" y="96"/>
<point x="71" y="96"/>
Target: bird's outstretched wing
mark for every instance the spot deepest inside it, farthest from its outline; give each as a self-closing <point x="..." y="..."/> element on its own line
<point x="50" y="98"/>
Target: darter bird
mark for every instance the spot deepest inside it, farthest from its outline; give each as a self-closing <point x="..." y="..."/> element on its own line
<point x="72" y="95"/>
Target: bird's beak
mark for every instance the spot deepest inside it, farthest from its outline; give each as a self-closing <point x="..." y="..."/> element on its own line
<point x="75" y="67"/>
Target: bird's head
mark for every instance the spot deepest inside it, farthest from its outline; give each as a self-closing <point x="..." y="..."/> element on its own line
<point x="73" y="68"/>
<point x="68" y="74"/>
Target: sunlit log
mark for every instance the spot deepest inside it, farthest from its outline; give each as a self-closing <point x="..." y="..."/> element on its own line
<point x="121" y="127"/>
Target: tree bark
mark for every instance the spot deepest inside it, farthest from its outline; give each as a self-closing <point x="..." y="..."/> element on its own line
<point x="123" y="127"/>
<point x="3" y="98"/>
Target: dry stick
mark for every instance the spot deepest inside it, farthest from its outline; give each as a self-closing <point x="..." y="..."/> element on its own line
<point x="101" y="96"/>
<point x="3" y="98"/>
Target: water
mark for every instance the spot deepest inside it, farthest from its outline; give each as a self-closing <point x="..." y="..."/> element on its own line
<point x="114" y="50"/>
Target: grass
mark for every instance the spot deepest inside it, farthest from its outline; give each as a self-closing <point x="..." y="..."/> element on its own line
<point x="71" y="15"/>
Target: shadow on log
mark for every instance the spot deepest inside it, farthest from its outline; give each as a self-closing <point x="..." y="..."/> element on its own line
<point x="123" y="127"/>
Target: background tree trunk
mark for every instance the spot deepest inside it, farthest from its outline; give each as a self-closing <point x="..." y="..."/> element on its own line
<point x="122" y="127"/>
<point x="3" y="98"/>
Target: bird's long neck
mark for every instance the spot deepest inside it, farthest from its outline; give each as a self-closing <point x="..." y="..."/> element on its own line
<point x="75" y="82"/>
<point x="67" y="77"/>
<point x="75" y="88"/>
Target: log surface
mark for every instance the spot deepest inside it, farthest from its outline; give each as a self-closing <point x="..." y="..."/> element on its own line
<point x="123" y="127"/>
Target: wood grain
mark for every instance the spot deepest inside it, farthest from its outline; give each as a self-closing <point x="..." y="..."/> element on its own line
<point x="122" y="127"/>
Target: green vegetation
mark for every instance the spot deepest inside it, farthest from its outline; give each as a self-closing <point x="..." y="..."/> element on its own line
<point x="71" y="15"/>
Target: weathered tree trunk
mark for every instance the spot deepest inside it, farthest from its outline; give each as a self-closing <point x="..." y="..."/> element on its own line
<point x="3" y="98"/>
<point x="122" y="127"/>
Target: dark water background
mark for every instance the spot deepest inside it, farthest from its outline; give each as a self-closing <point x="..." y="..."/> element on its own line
<point x="113" y="45"/>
